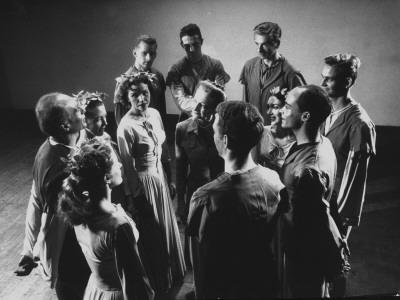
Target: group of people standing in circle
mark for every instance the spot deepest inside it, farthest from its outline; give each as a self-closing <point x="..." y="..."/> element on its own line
<point x="267" y="188"/>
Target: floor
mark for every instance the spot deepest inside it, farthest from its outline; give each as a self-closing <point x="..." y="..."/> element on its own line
<point x="375" y="256"/>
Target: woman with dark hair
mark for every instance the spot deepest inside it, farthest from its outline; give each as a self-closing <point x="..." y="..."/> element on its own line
<point x="106" y="234"/>
<point x="140" y="137"/>
<point x="276" y="141"/>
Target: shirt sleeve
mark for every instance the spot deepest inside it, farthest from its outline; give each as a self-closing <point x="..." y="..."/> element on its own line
<point x="181" y="164"/>
<point x="134" y="281"/>
<point x="362" y="138"/>
<point x="295" y="79"/>
<point x="32" y="222"/>
<point x="221" y="77"/>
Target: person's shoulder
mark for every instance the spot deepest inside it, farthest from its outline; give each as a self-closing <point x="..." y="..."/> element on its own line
<point x="251" y="62"/>
<point x="269" y="177"/>
<point x="154" y="113"/>
<point x="288" y="67"/>
<point x="156" y="72"/>
<point x="183" y="125"/>
<point x="178" y="65"/>
<point x="213" y="186"/>
<point x="359" y="116"/>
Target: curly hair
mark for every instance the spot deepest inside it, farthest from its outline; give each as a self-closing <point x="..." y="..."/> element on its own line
<point x="242" y="123"/>
<point x="136" y="79"/>
<point x="85" y="187"/>
<point x="269" y="29"/>
<point x="348" y="64"/>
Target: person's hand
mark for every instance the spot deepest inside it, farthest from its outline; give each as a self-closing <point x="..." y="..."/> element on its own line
<point x="25" y="266"/>
<point x="172" y="190"/>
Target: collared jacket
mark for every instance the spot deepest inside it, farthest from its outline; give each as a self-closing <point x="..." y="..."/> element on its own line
<point x="353" y="138"/>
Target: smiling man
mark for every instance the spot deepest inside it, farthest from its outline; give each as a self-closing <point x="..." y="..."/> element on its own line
<point x="144" y="53"/>
<point x="269" y="70"/>
<point x="184" y="76"/>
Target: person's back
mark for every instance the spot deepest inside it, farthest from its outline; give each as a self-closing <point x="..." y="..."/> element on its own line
<point x="235" y="232"/>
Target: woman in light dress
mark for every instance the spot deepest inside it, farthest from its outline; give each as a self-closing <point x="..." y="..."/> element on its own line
<point x="107" y="235"/>
<point x="141" y="136"/>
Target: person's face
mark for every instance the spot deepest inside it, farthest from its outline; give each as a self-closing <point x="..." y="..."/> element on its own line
<point x="333" y="82"/>
<point x="265" y="47"/>
<point x="192" y="46"/>
<point x="73" y="116"/>
<point x="139" y="97"/>
<point x="205" y="108"/>
<point x="145" y="55"/>
<point x="115" y="176"/>
<point x="291" y="115"/>
<point x="218" y="137"/>
<point x="273" y="111"/>
<point x="97" y="121"/>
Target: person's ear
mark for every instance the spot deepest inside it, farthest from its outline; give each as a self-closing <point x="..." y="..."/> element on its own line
<point x="349" y="82"/>
<point x="107" y="179"/>
<point x="134" y="52"/>
<point x="305" y="116"/>
<point x="277" y="44"/>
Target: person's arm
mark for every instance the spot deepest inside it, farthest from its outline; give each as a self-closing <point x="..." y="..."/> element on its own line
<point x="242" y="80"/>
<point x="32" y="228"/>
<point x="295" y="79"/>
<point x="134" y="281"/>
<point x="125" y="138"/>
<point x="181" y="169"/>
<point x="221" y="77"/>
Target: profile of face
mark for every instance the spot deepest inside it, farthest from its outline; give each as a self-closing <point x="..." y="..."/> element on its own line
<point x="218" y="136"/>
<point x="266" y="48"/>
<point x="192" y="46"/>
<point x="139" y="97"/>
<point x="205" y="108"/>
<point x="291" y="115"/>
<point x="333" y="82"/>
<point x="273" y="111"/>
<point x="115" y="175"/>
<point x="145" y="55"/>
<point x="96" y="122"/>
<point x="73" y="116"/>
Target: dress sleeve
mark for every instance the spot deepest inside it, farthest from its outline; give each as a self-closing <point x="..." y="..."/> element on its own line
<point x="134" y="281"/>
<point x="125" y="139"/>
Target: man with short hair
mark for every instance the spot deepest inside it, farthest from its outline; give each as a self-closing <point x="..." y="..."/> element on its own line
<point x="61" y="259"/>
<point x="312" y="241"/>
<point x="269" y="71"/>
<point x="352" y="134"/>
<point x="183" y="76"/>
<point x="144" y="52"/>
<point x="232" y="218"/>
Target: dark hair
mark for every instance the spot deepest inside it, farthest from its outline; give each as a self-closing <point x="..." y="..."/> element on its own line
<point x="85" y="187"/>
<point x="50" y="113"/>
<point x="315" y="100"/>
<point x="92" y="105"/>
<point x="346" y="63"/>
<point x="145" y="38"/>
<point x="136" y="79"/>
<point x="214" y="91"/>
<point x="242" y="123"/>
<point x="190" y="30"/>
<point x="269" y="29"/>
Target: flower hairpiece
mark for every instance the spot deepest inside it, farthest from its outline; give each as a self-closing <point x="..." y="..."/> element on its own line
<point x="128" y="78"/>
<point x="276" y="91"/>
<point x="84" y="98"/>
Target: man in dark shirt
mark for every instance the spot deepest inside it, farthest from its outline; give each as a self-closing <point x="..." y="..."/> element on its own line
<point x="312" y="241"/>
<point x="352" y="134"/>
<point x="232" y="218"/>
<point x="183" y="76"/>
<point x="145" y="52"/>
<point x="269" y="71"/>
<point x="61" y="260"/>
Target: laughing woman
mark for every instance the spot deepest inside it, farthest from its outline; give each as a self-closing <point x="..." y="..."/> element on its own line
<point x="140" y="138"/>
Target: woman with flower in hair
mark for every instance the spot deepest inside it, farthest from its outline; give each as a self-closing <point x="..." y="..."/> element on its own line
<point x="276" y="141"/>
<point x="107" y="235"/>
<point x="140" y="137"/>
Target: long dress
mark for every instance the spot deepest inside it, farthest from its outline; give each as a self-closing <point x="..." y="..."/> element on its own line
<point x="110" y="248"/>
<point x="140" y="143"/>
